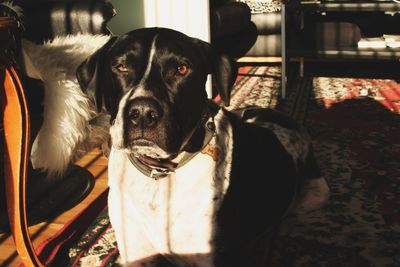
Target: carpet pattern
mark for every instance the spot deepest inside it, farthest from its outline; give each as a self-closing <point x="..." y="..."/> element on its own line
<point x="356" y="142"/>
<point x="355" y="126"/>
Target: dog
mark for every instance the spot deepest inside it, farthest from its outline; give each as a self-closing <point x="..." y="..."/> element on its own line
<point x="189" y="179"/>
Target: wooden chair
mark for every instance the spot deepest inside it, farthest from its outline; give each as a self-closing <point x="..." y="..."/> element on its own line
<point x="16" y="131"/>
<point x="72" y="18"/>
<point x="16" y="123"/>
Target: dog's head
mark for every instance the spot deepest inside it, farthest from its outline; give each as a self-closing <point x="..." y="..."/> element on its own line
<point x="152" y="83"/>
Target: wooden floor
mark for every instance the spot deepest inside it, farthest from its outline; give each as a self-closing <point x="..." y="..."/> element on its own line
<point x="93" y="162"/>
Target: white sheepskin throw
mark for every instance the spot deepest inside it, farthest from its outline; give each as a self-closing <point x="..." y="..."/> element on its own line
<point x="65" y="133"/>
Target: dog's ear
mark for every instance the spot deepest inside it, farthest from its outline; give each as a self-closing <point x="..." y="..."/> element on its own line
<point x="95" y="80"/>
<point x="223" y="67"/>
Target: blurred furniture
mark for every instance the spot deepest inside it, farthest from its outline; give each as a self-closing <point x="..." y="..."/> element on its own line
<point x="232" y="31"/>
<point x="266" y="17"/>
<point x="45" y="19"/>
<point x="325" y="39"/>
<point x="265" y="34"/>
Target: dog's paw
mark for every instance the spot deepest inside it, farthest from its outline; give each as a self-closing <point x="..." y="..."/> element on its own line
<point x="313" y="195"/>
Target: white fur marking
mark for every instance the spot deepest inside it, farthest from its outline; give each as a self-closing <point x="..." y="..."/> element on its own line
<point x="151" y="56"/>
<point x="140" y="91"/>
<point x="151" y="217"/>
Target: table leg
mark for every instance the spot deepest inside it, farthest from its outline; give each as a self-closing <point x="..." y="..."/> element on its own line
<point x="283" y="51"/>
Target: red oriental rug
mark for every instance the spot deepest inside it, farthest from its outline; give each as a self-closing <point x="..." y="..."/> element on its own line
<point x="355" y="125"/>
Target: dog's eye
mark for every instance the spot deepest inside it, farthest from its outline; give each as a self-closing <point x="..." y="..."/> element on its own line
<point x="122" y="68"/>
<point x="182" y="70"/>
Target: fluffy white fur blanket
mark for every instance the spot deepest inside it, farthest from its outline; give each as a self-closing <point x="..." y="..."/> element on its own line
<point x="65" y="133"/>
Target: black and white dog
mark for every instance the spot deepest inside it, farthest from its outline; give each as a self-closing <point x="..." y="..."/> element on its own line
<point x="188" y="179"/>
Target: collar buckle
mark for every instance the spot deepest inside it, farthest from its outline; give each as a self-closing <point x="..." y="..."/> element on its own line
<point x="157" y="174"/>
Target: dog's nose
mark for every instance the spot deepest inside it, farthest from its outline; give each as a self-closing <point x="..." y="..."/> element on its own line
<point x="144" y="112"/>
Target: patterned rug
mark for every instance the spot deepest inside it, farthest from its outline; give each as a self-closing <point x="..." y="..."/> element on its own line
<point x="355" y="125"/>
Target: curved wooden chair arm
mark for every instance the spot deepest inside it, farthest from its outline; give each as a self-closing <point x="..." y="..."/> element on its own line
<point x="16" y="124"/>
<point x="16" y="132"/>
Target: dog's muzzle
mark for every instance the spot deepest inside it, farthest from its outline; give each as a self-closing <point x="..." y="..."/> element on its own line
<point x="145" y="127"/>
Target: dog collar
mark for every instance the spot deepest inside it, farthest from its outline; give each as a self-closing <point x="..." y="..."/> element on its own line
<point x="158" y="173"/>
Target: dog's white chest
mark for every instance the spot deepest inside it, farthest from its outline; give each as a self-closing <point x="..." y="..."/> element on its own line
<point x="172" y="216"/>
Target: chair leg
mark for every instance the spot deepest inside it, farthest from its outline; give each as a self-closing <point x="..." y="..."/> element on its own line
<point x="16" y="131"/>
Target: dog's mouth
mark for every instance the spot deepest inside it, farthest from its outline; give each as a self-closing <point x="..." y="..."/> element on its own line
<point x="151" y="154"/>
<point x="166" y="147"/>
<point x="143" y="147"/>
<point x="158" y="163"/>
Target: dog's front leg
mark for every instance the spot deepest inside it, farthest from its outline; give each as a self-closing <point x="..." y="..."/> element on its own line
<point x="126" y="213"/>
<point x="133" y="244"/>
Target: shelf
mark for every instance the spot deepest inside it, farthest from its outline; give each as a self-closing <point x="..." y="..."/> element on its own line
<point x="348" y="68"/>
<point x="347" y="61"/>
<point x="347" y="6"/>
<point x="390" y="54"/>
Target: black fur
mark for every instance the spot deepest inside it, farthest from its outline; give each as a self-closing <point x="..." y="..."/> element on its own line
<point x="96" y="79"/>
